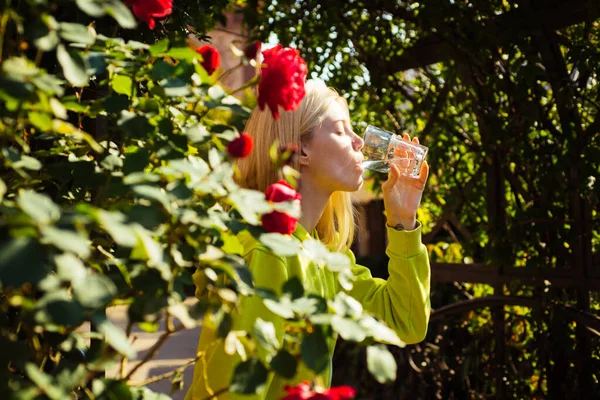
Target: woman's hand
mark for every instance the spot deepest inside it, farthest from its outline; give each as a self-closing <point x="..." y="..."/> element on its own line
<point x="402" y="193"/>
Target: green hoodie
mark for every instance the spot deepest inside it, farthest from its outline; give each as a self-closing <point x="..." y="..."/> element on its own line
<point x="402" y="302"/>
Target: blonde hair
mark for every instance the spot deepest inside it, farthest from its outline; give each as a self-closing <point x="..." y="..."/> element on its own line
<point x="336" y="225"/>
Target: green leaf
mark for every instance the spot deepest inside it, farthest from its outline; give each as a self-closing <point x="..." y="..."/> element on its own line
<point x="73" y="65"/>
<point x="38" y="207"/>
<point x="146" y="247"/>
<point x="18" y="160"/>
<point x="111" y="389"/>
<point x="114" y="224"/>
<point x="249" y="203"/>
<point x="67" y="241"/>
<point x="309" y="305"/>
<point x="380" y="332"/>
<point x="143" y="393"/>
<point x="3" y="190"/>
<point x="284" y="245"/>
<point x="183" y="53"/>
<point x="249" y="377"/>
<point x="345" y="305"/>
<point x="27" y="162"/>
<point x="61" y="309"/>
<point x="71" y="378"/>
<point x="153" y="193"/>
<point x="49" y="84"/>
<point x="225" y="322"/>
<point x="42" y="121"/>
<point x="159" y="47"/>
<point x="20" y="67"/>
<point x="381" y="364"/>
<point x="112" y="162"/>
<point x="91" y="7"/>
<point x="175" y="87"/>
<point x="348" y="329"/>
<point x="162" y="70"/>
<point x="264" y="331"/>
<point x="198" y="134"/>
<point x="95" y="291"/>
<point x="122" y="84"/>
<point x="284" y="364"/>
<point x="293" y="287"/>
<point x="137" y="126"/>
<point x="76" y="33"/>
<point x="121" y="13"/>
<point x="70" y="268"/>
<point x="47" y="41"/>
<point x="45" y="383"/>
<point x="315" y="351"/>
<point x="22" y="260"/>
<point x="283" y="308"/>
<point x="114" y="336"/>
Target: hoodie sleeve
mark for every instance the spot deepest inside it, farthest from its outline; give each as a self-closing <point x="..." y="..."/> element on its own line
<point x="403" y="300"/>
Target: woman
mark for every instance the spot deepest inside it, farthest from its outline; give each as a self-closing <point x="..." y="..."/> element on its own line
<point x="329" y="164"/>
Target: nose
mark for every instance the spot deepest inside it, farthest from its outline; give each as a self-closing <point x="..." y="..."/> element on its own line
<point x="357" y="142"/>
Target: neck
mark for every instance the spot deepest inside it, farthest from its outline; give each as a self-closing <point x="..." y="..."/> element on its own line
<point x="313" y="204"/>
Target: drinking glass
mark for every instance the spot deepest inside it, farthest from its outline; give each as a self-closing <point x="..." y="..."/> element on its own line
<point x="382" y="148"/>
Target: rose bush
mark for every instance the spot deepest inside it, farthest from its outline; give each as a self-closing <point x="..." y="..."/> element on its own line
<point x="116" y="185"/>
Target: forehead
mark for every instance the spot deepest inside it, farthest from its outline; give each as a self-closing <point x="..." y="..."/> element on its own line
<point x="336" y="111"/>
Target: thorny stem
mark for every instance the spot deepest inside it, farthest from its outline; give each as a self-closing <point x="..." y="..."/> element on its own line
<point x="153" y="350"/>
<point x="166" y="374"/>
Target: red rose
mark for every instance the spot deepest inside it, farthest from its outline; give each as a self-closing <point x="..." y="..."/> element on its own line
<point x="252" y="50"/>
<point x="147" y="10"/>
<point x="277" y="221"/>
<point x="304" y="392"/>
<point x="282" y="80"/>
<point x="241" y="146"/>
<point x="211" y="59"/>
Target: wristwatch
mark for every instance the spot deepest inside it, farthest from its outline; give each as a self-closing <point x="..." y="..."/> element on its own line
<point x="398" y="227"/>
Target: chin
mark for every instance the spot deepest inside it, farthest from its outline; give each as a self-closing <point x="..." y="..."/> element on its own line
<point x="356" y="186"/>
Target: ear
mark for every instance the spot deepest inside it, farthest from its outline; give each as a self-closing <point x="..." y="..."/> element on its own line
<point x="304" y="155"/>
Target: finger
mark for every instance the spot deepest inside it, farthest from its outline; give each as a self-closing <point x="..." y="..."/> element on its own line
<point x="406" y="137"/>
<point x="424" y="173"/>
<point x="416" y="140"/>
<point x="392" y="176"/>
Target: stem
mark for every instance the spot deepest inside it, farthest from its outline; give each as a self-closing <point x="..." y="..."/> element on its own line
<point x="161" y="340"/>
<point x="89" y="393"/>
<point x="217" y="393"/>
<point x="251" y="82"/>
<point x="124" y="359"/>
<point x="166" y="374"/>
<point x="229" y="71"/>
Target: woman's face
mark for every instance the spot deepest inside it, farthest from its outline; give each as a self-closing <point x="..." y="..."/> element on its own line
<point x="333" y="156"/>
